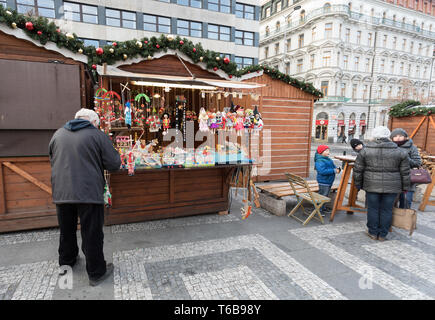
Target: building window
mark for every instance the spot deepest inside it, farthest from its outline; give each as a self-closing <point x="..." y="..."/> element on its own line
<point x="356" y="63"/>
<point x="384" y="42"/>
<point x="347" y="35"/>
<point x="156" y="23"/>
<point x="117" y="18"/>
<point x="43" y="8"/>
<point x="324" y="87"/>
<point x="302" y="17"/>
<point x="312" y="57"/>
<point x="287" y="68"/>
<point x="417" y="71"/>
<point x="404" y="45"/>
<point x="343" y="89"/>
<point x="220" y="6"/>
<point x="354" y="89"/>
<point x="277" y="26"/>
<point x="113" y="18"/>
<point x="409" y="69"/>
<point x="365" y="92"/>
<point x="394" y="42"/>
<point x="244" y="11"/>
<point x="424" y="72"/>
<point x="401" y="68"/>
<point x="326" y="58"/>
<point x="380" y="92"/>
<point x="313" y="33"/>
<point x="189" y="28"/>
<point x="382" y="66"/>
<point x="419" y="48"/>
<point x="411" y="48"/>
<point x="219" y="32"/>
<point x="80" y="12"/>
<point x="301" y="41"/>
<point x="91" y="42"/>
<point x="190" y="3"/>
<point x="267" y="30"/>
<point x="300" y="64"/>
<point x="358" y="37"/>
<point x="367" y="64"/>
<point x="339" y="31"/>
<point x="267" y="12"/>
<point x="328" y="30"/>
<point x="390" y="92"/>
<point x="345" y="61"/>
<point x="276" y="48"/>
<point x="129" y="19"/>
<point x="392" y="66"/>
<point x="369" y="39"/>
<point x="338" y="58"/>
<point x="399" y="92"/>
<point x="243" y="62"/>
<point x="244" y="38"/>
<point x="289" y="44"/>
<point x="266" y="52"/>
<point x="278" y="6"/>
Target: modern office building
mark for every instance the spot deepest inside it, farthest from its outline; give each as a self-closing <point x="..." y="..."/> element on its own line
<point x="364" y="55"/>
<point x="230" y="27"/>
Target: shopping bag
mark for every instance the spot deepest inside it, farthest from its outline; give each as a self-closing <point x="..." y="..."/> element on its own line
<point x="405" y="219"/>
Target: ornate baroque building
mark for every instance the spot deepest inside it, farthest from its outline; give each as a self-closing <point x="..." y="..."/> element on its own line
<point x="364" y="55"/>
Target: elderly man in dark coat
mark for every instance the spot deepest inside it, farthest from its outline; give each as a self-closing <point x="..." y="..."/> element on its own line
<point x="382" y="170"/>
<point x="79" y="153"/>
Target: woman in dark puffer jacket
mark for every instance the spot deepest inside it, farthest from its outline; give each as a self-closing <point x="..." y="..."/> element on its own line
<point x="382" y="170"/>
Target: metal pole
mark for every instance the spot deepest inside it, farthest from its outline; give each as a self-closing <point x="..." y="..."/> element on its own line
<point x="371" y="85"/>
<point x="430" y="79"/>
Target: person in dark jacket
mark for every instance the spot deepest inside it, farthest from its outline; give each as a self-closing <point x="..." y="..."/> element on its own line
<point x="382" y="170"/>
<point x="356" y="145"/>
<point x="79" y="153"/>
<point x="400" y="137"/>
<point x="326" y="171"/>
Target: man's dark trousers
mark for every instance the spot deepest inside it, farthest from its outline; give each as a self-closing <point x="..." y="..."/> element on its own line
<point x="91" y="227"/>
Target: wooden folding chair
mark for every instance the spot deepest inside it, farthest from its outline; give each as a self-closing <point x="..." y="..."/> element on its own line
<point x="303" y="192"/>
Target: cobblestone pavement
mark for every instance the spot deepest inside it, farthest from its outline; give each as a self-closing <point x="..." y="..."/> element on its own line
<point x="223" y="257"/>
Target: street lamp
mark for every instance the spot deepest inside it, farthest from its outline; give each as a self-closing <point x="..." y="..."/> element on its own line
<point x="285" y="32"/>
<point x="430" y="77"/>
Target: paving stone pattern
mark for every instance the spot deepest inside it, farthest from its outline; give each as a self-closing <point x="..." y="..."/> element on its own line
<point x="222" y="257"/>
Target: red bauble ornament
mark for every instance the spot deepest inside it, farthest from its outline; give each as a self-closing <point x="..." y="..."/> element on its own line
<point x="231" y="76"/>
<point x="58" y="30"/>
<point x="215" y="68"/>
<point x="146" y="42"/>
<point x="94" y="66"/>
<point x="114" y="44"/>
<point x="39" y="33"/>
<point x="29" y="26"/>
<point x="99" y="51"/>
<point x="194" y="49"/>
<point x="226" y="60"/>
<point x="249" y="71"/>
<point x="181" y="42"/>
<point x="157" y="46"/>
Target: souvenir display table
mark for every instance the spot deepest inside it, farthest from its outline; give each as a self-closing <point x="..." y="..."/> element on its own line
<point x="162" y="193"/>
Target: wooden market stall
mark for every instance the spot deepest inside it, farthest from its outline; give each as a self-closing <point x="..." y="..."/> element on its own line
<point x="40" y="89"/>
<point x="285" y="143"/>
<point x="169" y="191"/>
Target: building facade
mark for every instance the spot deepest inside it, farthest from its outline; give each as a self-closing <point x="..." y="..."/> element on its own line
<point x="230" y="27"/>
<point x="364" y="55"/>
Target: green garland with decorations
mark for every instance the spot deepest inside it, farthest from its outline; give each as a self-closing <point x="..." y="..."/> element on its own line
<point x="404" y="109"/>
<point x="42" y="30"/>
